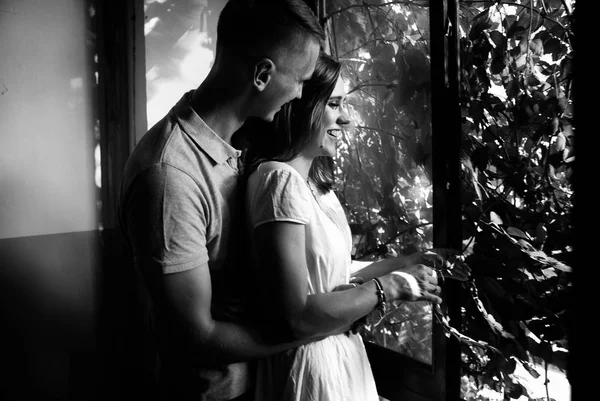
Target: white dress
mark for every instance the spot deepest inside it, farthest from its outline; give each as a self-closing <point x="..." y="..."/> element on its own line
<point x="335" y="368"/>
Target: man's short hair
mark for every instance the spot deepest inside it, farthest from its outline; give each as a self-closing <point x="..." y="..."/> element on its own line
<point x="254" y="29"/>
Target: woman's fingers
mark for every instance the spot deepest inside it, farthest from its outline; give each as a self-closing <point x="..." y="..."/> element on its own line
<point x="432" y="257"/>
<point x="417" y="285"/>
<point x="429" y="296"/>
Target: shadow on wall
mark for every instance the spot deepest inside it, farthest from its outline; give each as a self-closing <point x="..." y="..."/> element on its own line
<point x="48" y="301"/>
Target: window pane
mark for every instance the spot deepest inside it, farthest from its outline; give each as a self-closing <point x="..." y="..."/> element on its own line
<point x="180" y="47"/>
<point x="384" y="162"/>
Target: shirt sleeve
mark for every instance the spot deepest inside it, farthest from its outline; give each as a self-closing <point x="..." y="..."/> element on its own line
<point x="278" y="194"/>
<point x="165" y="221"/>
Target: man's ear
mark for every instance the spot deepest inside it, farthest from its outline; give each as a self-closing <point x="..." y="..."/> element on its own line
<point x="262" y="74"/>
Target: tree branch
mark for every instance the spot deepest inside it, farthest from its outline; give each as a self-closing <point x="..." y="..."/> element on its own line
<point x="367" y="5"/>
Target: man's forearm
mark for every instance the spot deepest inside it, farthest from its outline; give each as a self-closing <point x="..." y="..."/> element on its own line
<point x="231" y="342"/>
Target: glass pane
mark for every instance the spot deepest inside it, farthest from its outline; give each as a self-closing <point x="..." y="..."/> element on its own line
<point x="180" y="47"/>
<point x="384" y="162"/>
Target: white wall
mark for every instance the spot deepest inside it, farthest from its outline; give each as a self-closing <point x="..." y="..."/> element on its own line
<point x="46" y="121"/>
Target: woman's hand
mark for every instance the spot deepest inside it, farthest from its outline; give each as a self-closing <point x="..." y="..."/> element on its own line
<point x="449" y="262"/>
<point x="416" y="282"/>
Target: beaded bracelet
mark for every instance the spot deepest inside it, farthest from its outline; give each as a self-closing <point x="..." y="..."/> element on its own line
<point x="381" y="307"/>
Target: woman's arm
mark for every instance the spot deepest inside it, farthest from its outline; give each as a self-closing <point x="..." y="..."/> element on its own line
<point x="369" y="270"/>
<point x="439" y="257"/>
<point x="283" y="270"/>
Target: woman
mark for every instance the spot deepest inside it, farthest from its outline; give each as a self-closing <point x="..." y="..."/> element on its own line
<point x="302" y="253"/>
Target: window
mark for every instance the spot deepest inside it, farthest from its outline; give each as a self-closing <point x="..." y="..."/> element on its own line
<point x="180" y="46"/>
<point x="384" y="163"/>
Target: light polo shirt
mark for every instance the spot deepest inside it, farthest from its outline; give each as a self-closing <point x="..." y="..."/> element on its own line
<point x="179" y="208"/>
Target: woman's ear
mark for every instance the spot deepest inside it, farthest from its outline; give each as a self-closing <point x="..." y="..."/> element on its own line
<point x="262" y="74"/>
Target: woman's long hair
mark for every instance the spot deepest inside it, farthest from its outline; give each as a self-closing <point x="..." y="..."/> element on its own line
<point x="296" y="125"/>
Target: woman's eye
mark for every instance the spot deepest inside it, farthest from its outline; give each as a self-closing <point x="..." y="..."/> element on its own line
<point x="334" y="105"/>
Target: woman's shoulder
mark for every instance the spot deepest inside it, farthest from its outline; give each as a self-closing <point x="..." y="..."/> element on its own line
<point x="277" y="167"/>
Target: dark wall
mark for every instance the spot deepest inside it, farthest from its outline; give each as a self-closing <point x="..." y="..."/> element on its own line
<point x="73" y="319"/>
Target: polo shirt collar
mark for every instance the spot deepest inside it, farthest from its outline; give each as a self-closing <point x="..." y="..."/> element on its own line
<point x="191" y="123"/>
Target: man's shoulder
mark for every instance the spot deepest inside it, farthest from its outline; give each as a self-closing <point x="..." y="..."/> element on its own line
<point x="165" y="144"/>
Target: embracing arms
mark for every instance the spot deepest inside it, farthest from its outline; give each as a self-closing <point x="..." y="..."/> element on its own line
<point x="182" y="309"/>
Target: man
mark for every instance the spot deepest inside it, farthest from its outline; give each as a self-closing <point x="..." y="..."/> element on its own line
<point x="179" y="198"/>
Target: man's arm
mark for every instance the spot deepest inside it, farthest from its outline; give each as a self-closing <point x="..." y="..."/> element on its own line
<point x="164" y="218"/>
<point x="182" y="302"/>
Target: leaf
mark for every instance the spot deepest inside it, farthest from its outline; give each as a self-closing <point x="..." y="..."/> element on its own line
<point x="493" y="103"/>
<point x="480" y="23"/>
<point x="494" y="218"/>
<point x="498" y="65"/>
<point x="566" y="68"/>
<point x="520" y="62"/>
<point x="515" y="390"/>
<point x="508" y="23"/>
<point x="546" y="261"/>
<point x="515" y="232"/>
<point x="480" y="158"/>
<point x="499" y="41"/>
<point x="560" y="143"/>
<point x="513" y="89"/>
<point x="490" y="134"/>
<point x="418" y="66"/>
<point x="494" y="290"/>
<point x="551" y="44"/>
<point x="400" y="22"/>
<point x="532" y="371"/>
<point x="537" y="47"/>
<point x="541" y="233"/>
<point x="518" y="27"/>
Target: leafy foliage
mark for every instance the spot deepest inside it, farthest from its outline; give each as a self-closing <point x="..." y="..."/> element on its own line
<point x="384" y="163"/>
<point x="516" y="172"/>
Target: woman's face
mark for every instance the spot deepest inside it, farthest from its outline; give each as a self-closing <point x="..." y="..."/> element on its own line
<point x="334" y="120"/>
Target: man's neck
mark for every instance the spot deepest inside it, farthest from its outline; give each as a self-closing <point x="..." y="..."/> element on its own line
<point x="219" y="107"/>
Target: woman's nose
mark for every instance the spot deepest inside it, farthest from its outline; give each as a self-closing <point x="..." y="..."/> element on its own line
<point x="343" y="118"/>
